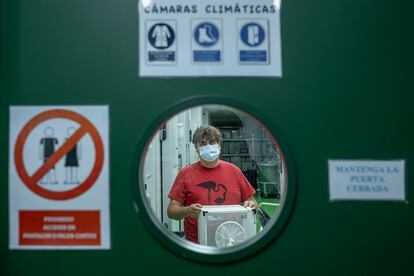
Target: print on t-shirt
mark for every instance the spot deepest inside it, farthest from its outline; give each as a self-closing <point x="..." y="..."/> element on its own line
<point x="212" y="186"/>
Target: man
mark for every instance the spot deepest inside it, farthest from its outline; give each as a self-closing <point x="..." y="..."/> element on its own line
<point x="209" y="181"/>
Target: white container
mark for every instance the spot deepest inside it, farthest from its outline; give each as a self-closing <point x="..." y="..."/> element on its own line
<point x="226" y="225"/>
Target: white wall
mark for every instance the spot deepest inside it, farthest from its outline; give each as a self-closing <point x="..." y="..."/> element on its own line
<point x="176" y="151"/>
<point x="151" y="175"/>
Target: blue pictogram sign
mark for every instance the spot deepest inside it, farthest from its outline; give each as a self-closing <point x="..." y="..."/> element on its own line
<point x="252" y="34"/>
<point x="206" y="34"/>
<point x="161" y="36"/>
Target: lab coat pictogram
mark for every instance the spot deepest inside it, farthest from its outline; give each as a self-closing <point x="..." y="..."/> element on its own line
<point x="48" y="145"/>
<point x="161" y="36"/>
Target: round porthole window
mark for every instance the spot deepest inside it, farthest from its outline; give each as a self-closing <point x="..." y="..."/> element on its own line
<point x="215" y="183"/>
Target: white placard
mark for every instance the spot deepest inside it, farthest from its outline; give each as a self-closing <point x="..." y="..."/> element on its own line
<point x="58" y="177"/>
<point x="366" y="180"/>
<point x="209" y="38"/>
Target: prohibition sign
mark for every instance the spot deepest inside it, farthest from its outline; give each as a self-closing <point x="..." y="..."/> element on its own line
<point x="86" y="127"/>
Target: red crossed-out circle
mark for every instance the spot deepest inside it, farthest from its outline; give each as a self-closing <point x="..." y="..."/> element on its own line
<point x="86" y="127"/>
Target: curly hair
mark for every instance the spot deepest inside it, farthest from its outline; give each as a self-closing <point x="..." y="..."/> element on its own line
<point x="206" y="133"/>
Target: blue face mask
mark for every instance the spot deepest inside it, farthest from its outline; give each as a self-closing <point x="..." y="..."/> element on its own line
<point x="209" y="152"/>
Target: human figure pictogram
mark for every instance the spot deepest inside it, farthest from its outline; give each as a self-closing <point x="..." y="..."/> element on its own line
<point x="72" y="161"/>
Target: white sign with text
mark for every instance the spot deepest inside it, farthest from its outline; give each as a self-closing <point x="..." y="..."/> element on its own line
<point x="366" y="180"/>
<point x="209" y="38"/>
<point x="59" y="177"/>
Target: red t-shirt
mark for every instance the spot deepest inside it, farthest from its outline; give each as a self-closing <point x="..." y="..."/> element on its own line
<point x="222" y="185"/>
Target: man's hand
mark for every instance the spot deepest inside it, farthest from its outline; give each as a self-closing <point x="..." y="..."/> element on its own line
<point x="250" y="202"/>
<point x="194" y="210"/>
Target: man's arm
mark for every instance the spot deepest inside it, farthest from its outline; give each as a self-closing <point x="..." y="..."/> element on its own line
<point x="177" y="211"/>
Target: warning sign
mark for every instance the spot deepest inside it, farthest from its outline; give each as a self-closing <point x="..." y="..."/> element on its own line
<point x="59" y="185"/>
<point x="161" y="44"/>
